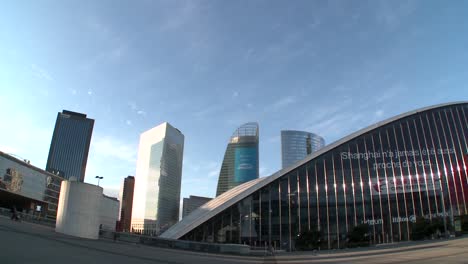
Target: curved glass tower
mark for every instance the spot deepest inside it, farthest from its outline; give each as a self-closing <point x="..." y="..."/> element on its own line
<point x="240" y="163"/>
<point x="296" y="145"/>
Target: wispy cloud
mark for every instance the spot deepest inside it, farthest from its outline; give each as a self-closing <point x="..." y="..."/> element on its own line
<point x="202" y="174"/>
<point x="249" y="53"/>
<point x="390" y="93"/>
<point x="112" y="158"/>
<point x="181" y="14"/>
<point x="111" y="190"/>
<point x="22" y="141"/>
<point x="274" y="139"/>
<point x="133" y="106"/>
<point x="136" y="109"/>
<point x="282" y="102"/>
<point x="337" y="120"/>
<point x="264" y="171"/>
<point x="8" y="149"/>
<point x="40" y="72"/>
<point x="110" y="147"/>
<point x="379" y="113"/>
<point x="392" y="14"/>
<point x="115" y="47"/>
<point x="203" y="169"/>
<point x="205" y="111"/>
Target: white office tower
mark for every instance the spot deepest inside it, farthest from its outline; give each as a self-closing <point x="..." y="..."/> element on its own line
<point x="158" y="180"/>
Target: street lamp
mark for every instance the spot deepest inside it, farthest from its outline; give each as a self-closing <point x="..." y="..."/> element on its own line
<point x="99" y="178"/>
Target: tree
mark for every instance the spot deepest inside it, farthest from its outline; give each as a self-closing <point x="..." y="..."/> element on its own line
<point x="423" y="228"/>
<point x="359" y="236"/>
<point x="419" y="229"/>
<point x="308" y="240"/>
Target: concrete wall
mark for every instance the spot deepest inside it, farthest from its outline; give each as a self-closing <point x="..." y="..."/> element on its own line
<point x="109" y="213"/>
<point x="78" y="209"/>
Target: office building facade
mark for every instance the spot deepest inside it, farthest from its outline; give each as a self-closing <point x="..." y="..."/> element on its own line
<point x="192" y="203"/>
<point x="156" y="198"/>
<point x="384" y="177"/>
<point x="126" y="204"/>
<point x="68" y="153"/>
<point x="241" y="159"/>
<point x="296" y="145"/>
<point x="30" y="189"/>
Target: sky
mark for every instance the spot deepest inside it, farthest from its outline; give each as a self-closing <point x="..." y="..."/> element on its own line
<point x="207" y="67"/>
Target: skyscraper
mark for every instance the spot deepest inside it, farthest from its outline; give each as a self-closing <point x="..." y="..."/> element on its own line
<point x="296" y="145"/>
<point x="69" y="148"/>
<point x="240" y="163"/>
<point x="126" y="203"/>
<point x="192" y="203"/>
<point x="158" y="178"/>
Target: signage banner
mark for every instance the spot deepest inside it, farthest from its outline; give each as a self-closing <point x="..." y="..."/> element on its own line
<point x="245" y="164"/>
<point x="407" y="185"/>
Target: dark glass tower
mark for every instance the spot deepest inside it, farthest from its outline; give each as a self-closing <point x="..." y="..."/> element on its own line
<point x="69" y="148"/>
<point x="296" y="145"/>
<point x="240" y="163"/>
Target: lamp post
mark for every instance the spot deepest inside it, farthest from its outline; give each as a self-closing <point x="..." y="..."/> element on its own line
<point x="99" y="178"/>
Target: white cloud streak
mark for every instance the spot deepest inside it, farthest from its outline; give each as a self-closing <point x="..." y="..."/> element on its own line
<point x="282" y="102"/>
<point x="41" y="73"/>
<point x="109" y="147"/>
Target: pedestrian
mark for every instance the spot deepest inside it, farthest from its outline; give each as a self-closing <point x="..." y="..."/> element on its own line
<point x="271" y="250"/>
<point x="14" y="214"/>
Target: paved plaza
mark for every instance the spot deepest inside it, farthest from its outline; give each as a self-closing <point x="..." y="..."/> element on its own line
<point x="22" y="242"/>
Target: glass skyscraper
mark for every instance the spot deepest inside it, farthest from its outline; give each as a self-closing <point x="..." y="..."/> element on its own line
<point x="240" y="163"/>
<point x="158" y="179"/>
<point x="69" y="148"/>
<point x="296" y="145"/>
<point x="383" y="177"/>
<point x="192" y="203"/>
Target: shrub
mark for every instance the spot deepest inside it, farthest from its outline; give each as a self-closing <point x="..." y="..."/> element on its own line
<point x="359" y="236"/>
<point x="308" y="240"/>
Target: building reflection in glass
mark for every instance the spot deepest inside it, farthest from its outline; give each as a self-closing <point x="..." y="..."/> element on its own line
<point x="407" y="167"/>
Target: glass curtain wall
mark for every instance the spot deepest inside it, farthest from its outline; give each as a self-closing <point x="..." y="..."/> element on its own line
<point x="412" y="167"/>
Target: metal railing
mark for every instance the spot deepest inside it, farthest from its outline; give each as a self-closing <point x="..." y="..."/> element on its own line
<point x="28" y="217"/>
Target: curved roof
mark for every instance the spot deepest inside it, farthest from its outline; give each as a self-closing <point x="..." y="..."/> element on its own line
<point x="240" y="192"/>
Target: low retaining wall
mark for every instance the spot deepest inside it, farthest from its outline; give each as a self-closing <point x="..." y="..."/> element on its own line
<point x="177" y="244"/>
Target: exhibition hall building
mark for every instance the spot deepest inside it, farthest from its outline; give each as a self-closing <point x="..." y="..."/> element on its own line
<point x="384" y="176"/>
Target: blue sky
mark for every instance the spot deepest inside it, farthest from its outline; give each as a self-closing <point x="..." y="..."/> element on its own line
<point x="206" y="67"/>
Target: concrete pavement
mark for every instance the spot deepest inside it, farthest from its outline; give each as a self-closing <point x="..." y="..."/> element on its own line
<point x="22" y="242"/>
